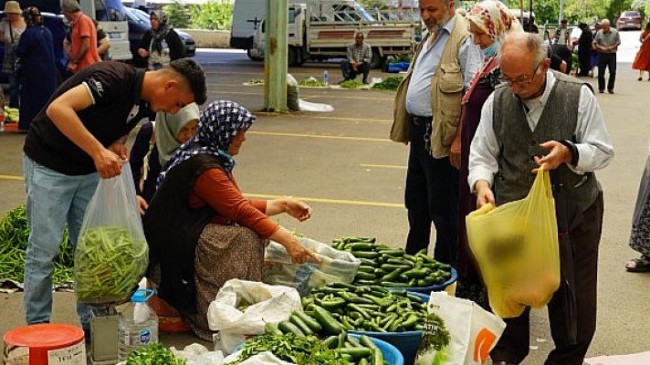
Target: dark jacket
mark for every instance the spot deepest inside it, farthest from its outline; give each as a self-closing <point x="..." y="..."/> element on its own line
<point x="174" y="41"/>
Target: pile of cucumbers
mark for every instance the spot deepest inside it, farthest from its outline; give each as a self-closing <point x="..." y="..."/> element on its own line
<point x="339" y="307"/>
<point x="392" y="267"/>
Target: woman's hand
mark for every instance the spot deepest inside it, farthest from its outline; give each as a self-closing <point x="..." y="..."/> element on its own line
<point x="298" y="253"/>
<point x="143" y="52"/>
<point x="142" y="204"/>
<point x="297" y="209"/>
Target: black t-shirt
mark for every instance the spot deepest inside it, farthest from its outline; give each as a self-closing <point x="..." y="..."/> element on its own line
<point x="115" y="88"/>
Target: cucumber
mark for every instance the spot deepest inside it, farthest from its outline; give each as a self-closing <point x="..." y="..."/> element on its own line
<point x="272" y="328"/>
<point x="309" y="321"/>
<point x="325" y="319"/>
<point x="300" y="324"/>
<point x="288" y="327"/>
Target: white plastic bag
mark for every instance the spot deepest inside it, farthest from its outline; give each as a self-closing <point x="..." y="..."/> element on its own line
<point x="243" y="308"/>
<point x="263" y="358"/>
<point x="335" y="266"/>
<point x="112" y="253"/>
<point x="197" y="354"/>
<point x="473" y="330"/>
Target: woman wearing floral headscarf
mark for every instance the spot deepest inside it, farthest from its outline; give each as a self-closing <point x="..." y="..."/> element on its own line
<point x="38" y="74"/>
<point x="161" y="44"/>
<point x="199" y="212"/>
<point x="489" y="22"/>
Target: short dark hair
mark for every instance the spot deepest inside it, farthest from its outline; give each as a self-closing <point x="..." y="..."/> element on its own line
<point x="195" y="76"/>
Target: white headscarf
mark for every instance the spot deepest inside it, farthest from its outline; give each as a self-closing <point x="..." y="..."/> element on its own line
<point x="167" y="128"/>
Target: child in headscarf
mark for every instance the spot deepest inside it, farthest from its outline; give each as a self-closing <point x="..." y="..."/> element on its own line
<point x="201" y="231"/>
<point x="161" y="44"/>
<point x="156" y="142"/>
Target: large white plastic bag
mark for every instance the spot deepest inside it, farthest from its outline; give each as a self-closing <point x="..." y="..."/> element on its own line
<point x="335" y="266"/>
<point x="264" y="303"/>
<point x="112" y="254"/>
<point x="473" y="330"/>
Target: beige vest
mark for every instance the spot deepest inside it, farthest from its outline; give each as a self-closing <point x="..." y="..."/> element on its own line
<point x="446" y="93"/>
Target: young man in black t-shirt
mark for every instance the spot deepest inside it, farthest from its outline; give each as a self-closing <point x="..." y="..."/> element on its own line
<point x="78" y="138"/>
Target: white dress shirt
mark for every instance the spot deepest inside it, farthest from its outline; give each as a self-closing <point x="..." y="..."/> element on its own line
<point x="595" y="149"/>
<point x="418" y="95"/>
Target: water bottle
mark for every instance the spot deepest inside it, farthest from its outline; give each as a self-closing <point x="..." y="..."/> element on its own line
<point x="326" y="78"/>
<point x="138" y="327"/>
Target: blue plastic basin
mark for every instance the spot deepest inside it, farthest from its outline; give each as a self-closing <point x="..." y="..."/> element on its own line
<point x="406" y="342"/>
<point x="392" y="355"/>
<point x="428" y="289"/>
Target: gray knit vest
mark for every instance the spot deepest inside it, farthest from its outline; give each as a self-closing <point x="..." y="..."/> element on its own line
<point x="519" y="145"/>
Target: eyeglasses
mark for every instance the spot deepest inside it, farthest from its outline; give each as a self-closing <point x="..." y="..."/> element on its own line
<point x="521" y="81"/>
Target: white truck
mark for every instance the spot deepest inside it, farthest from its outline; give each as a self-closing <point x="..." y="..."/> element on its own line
<point x="322" y="29"/>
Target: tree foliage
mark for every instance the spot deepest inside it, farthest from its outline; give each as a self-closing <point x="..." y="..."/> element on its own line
<point x="177" y="14"/>
<point x="211" y="15"/>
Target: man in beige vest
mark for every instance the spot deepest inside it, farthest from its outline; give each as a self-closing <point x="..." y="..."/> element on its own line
<point x="427" y="111"/>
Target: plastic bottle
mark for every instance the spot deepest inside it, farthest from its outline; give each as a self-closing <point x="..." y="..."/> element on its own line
<point x="326" y="78"/>
<point x="138" y="327"/>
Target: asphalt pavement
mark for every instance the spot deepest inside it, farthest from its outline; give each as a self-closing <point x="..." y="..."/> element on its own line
<point x="343" y="164"/>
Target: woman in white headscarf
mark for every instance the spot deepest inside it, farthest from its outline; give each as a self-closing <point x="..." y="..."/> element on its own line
<point x="154" y="146"/>
<point x="489" y="22"/>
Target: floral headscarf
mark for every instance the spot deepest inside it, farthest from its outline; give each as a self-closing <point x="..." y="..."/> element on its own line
<point x="487" y="17"/>
<point x="493" y="18"/>
<point x="219" y="124"/>
<point x="32" y="16"/>
<point x="158" y="36"/>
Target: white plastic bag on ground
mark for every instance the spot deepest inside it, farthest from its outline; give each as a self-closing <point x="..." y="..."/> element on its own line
<point x="244" y="307"/>
<point x="335" y="266"/>
<point x="197" y="354"/>
<point x="473" y="330"/>
<point x="263" y="358"/>
<point x="308" y="106"/>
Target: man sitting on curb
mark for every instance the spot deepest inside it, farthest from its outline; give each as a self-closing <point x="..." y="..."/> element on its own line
<point x="358" y="61"/>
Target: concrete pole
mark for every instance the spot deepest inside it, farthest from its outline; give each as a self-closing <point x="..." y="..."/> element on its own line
<point x="275" y="56"/>
<point x="561" y="14"/>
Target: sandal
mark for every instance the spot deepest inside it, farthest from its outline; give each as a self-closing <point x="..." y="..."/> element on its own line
<point x="639" y="264"/>
<point x="640" y="78"/>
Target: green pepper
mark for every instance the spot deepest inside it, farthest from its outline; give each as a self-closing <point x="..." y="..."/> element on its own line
<point x="332" y="304"/>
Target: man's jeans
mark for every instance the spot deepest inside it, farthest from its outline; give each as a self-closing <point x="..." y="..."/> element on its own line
<point x="52" y="200"/>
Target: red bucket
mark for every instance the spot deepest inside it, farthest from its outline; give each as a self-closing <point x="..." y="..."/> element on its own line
<point x="45" y="344"/>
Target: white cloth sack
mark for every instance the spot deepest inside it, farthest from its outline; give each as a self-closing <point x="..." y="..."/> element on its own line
<point x="262" y="304"/>
<point x="473" y="330"/>
<point x="335" y="266"/>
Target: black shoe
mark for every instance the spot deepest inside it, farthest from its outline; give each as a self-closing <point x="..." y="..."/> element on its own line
<point x="365" y="81"/>
<point x="601" y="91"/>
<point x="610" y="91"/>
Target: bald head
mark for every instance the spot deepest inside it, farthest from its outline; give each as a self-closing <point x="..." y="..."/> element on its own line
<point x="605" y="24"/>
<point x="523" y="47"/>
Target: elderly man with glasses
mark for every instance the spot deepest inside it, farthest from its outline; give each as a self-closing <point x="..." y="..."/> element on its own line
<point x="539" y="116"/>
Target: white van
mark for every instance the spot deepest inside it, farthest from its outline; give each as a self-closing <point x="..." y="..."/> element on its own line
<point x="247" y="16"/>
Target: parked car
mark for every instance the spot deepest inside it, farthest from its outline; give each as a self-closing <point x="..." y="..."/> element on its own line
<point x="139" y="24"/>
<point x="629" y="20"/>
<point x="55" y="23"/>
